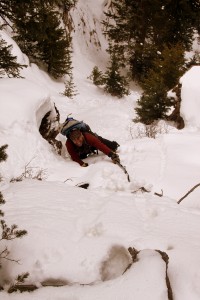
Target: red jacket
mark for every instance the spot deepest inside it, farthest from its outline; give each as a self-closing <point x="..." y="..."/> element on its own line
<point x="91" y="140"/>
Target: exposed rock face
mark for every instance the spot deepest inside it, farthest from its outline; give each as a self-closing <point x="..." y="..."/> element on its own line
<point x="175" y="115"/>
<point x="49" y="129"/>
<point x="116" y="263"/>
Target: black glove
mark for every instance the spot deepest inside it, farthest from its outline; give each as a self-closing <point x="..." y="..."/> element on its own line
<point x="115" y="157"/>
<point x="84" y="165"/>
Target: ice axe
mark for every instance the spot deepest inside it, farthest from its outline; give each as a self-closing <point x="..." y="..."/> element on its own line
<point x="142" y="188"/>
<point x="124" y="169"/>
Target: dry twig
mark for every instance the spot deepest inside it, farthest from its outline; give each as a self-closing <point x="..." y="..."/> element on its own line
<point x="190" y="191"/>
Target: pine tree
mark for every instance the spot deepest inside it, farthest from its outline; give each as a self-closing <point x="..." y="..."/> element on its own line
<point x="41" y="36"/>
<point x="154" y="104"/>
<point x="97" y="76"/>
<point x="171" y="64"/>
<point x="183" y="18"/>
<point x="167" y="69"/>
<point x="133" y="34"/>
<point x="141" y="28"/>
<point x="28" y="30"/>
<point x="5" y="10"/>
<point x="115" y="83"/>
<point x="55" y="46"/>
<point x="8" y="63"/>
<point x="70" y="89"/>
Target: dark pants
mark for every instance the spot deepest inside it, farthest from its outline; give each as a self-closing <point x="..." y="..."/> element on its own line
<point x="112" y="145"/>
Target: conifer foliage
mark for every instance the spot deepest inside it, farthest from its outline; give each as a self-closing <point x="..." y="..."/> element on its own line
<point x="167" y="68"/>
<point x="54" y="46"/>
<point x="115" y="83"/>
<point x="3" y="157"/>
<point x="8" y="63"/>
<point x="5" y="9"/>
<point x="141" y="28"/>
<point x="70" y="88"/>
<point x="112" y="81"/>
<point x="97" y="76"/>
<point x="154" y="104"/>
<point x="41" y="35"/>
<point x="149" y="38"/>
<point x="8" y="233"/>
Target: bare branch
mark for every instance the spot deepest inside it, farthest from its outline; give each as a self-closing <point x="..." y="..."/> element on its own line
<point x="31" y="173"/>
<point x="4" y="255"/>
<point x="158" y="194"/>
<point x="190" y="191"/>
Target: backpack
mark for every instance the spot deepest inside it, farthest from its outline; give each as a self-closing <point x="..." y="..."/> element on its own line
<point x="71" y="124"/>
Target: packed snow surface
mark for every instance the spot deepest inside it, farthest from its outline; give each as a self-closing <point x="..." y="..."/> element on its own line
<point x="79" y="238"/>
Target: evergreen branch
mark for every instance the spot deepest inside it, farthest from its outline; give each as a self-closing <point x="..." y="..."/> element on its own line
<point x="4" y="255"/>
<point x="6" y="22"/>
<point x="3" y="155"/>
<point x="11" y="233"/>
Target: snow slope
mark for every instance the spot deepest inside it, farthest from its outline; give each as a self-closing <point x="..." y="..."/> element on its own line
<point x="80" y="237"/>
